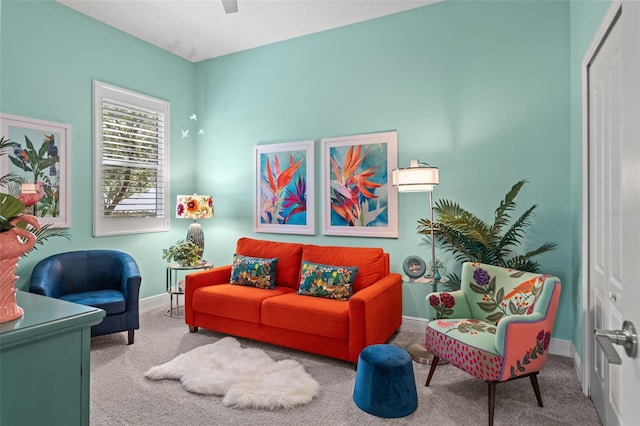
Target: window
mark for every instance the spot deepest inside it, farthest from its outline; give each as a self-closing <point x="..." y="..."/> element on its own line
<point x="131" y="162"/>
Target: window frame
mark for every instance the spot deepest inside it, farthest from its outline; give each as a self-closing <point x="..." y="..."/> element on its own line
<point x="127" y="226"/>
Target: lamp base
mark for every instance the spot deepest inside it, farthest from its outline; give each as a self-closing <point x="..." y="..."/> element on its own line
<point x="195" y="234"/>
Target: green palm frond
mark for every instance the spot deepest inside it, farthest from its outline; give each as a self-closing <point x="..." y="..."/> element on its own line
<point x="516" y="232"/>
<point x="507" y="205"/>
<point x="45" y="232"/>
<point x="468" y="238"/>
<point x="460" y="244"/>
<point x="522" y="264"/>
<point x="5" y="145"/>
<point x="455" y="218"/>
<point x="10" y="178"/>
<point x="448" y="208"/>
<point x="548" y="246"/>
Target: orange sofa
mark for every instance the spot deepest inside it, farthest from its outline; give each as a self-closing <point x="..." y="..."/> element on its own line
<point x="280" y="316"/>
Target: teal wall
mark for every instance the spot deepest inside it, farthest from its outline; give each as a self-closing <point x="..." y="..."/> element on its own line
<point x="50" y="54"/>
<point x="479" y="89"/>
<point x="485" y="90"/>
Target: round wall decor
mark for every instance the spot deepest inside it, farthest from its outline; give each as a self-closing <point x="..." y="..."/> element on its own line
<point x="414" y="267"/>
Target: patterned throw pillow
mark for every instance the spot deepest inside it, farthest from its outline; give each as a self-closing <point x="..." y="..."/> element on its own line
<point x="331" y="282"/>
<point x="254" y="271"/>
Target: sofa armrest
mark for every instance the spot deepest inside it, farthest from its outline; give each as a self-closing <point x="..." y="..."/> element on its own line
<point x="375" y="313"/>
<point x="204" y="278"/>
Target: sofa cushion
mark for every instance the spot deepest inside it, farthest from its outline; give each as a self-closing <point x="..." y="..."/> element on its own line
<point x="369" y="261"/>
<point x="311" y="315"/>
<point x="234" y="301"/>
<point x="331" y="282"/>
<point x="289" y="257"/>
<point x="254" y="271"/>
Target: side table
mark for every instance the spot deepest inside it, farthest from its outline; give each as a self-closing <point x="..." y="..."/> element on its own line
<point x="417" y="351"/>
<point x="174" y="287"/>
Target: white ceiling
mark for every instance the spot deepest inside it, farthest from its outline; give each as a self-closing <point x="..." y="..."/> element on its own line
<point x="199" y="29"/>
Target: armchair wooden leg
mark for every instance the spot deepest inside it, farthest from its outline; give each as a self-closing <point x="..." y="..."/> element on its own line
<point x="492" y="400"/>
<point x="434" y="364"/>
<point x="193" y="329"/>
<point x="536" y="388"/>
<point x="130" y="337"/>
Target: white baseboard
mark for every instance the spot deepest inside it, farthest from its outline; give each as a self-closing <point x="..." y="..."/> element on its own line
<point x="556" y="346"/>
<point x="413" y="324"/>
<point x="577" y="364"/>
<point x="153" y="302"/>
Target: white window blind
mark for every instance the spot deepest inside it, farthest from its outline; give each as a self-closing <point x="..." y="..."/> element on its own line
<point x="131" y="162"/>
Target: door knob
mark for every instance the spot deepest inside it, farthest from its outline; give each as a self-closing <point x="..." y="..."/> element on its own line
<point x="626" y="337"/>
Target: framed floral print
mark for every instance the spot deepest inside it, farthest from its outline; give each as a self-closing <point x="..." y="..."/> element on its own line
<point x="284" y="186"/>
<point x="357" y="195"/>
<point x="40" y="155"/>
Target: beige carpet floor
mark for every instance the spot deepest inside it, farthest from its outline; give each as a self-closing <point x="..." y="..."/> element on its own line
<point x="121" y="395"/>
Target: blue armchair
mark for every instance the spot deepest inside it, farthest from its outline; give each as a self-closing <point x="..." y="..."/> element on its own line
<point x="106" y="279"/>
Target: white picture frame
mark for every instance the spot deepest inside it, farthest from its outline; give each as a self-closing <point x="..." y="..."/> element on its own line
<point x="358" y="198"/>
<point x="285" y="188"/>
<point x="41" y="155"/>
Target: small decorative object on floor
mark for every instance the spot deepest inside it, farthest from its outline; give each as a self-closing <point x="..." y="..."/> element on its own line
<point x="247" y="377"/>
<point x="11" y="248"/>
<point x="385" y="385"/>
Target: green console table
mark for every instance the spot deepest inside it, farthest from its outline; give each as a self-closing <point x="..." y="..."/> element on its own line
<point x="45" y="362"/>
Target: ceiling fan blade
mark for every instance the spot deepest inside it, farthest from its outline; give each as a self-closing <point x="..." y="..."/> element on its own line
<point x="230" y="6"/>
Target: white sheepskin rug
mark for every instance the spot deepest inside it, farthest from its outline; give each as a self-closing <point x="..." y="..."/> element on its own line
<point x="247" y="377"/>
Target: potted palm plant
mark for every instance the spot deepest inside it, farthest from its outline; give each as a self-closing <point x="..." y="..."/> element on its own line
<point x="471" y="239"/>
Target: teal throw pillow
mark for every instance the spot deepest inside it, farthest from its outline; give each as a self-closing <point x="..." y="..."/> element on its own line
<point x="331" y="282"/>
<point x="254" y="271"/>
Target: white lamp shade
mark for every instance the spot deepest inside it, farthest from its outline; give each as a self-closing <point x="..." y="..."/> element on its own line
<point x="415" y="179"/>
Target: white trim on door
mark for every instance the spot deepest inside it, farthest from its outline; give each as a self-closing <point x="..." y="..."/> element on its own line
<point x="587" y="335"/>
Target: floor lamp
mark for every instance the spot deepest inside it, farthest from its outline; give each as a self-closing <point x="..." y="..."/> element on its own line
<point x="195" y="207"/>
<point x="420" y="177"/>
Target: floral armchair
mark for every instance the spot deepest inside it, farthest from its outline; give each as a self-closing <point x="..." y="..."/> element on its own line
<point x="497" y="327"/>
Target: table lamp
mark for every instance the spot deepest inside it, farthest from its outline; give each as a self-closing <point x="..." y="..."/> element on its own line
<point x="195" y="207"/>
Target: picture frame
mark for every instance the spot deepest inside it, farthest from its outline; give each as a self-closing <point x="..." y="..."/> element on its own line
<point x="41" y="155"/>
<point x="359" y="168"/>
<point x="285" y="188"/>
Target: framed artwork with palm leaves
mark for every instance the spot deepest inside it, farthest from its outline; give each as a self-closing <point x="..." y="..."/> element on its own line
<point x="39" y="157"/>
<point x="357" y="195"/>
<point x="284" y="186"/>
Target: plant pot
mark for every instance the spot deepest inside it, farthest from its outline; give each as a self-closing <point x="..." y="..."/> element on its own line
<point x="186" y="263"/>
<point x="11" y="248"/>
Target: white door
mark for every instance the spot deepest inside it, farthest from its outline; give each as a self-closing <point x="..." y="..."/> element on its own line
<point x="612" y="70"/>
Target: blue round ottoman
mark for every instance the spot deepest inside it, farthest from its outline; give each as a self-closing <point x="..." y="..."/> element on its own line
<point x="385" y="385"/>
